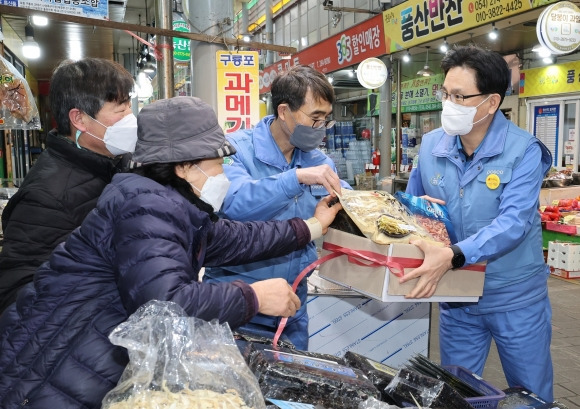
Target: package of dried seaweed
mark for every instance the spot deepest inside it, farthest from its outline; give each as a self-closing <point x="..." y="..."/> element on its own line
<point x="304" y="379"/>
<point x="410" y="388"/>
<point x="379" y="374"/>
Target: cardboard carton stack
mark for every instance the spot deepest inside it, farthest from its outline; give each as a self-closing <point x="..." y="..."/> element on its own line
<point x="564" y="259"/>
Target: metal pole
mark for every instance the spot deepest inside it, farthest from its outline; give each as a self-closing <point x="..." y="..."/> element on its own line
<point x="385" y="121"/>
<point x="165" y="44"/>
<point x="269" y="32"/>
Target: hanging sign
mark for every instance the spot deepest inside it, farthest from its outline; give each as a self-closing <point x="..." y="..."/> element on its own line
<point x="372" y="73"/>
<point x="342" y="50"/>
<point x="550" y="80"/>
<point x="419" y="21"/>
<point x="181" y="46"/>
<point x="237" y="90"/>
<point x="558" y="28"/>
<point x="90" y="9"/>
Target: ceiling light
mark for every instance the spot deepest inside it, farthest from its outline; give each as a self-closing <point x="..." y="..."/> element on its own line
<point x="542" y="51"/>
<point x="444" y="47"/>
<point x="493" y="34"/>
<point x="426" y="71"/>
<point x="330" y="79"/>
<point x="30" y="48"/>
<point x="247" y="38"/>
<point x="548" y="60"/>
<point x="39" y="21"/>
<point x="407" y="56"/>
<point x="351" y="73"/>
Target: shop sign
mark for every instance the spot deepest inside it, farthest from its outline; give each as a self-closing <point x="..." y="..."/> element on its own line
<point x="372" y="73"/>
<point x="98" y="9"/>
<point x="342" y="50"/>
<point x="181" y="46"/>
<point x="237" y="90"/>
<point x="558" y="28"/>
<point x="546" y="128"/>
<point x="420" y="21"/>
<point x="418" y="95"/>
<point x="550" y="80"/>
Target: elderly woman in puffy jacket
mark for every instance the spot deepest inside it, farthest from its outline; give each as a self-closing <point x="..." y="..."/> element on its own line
<point x="152" y="231"/>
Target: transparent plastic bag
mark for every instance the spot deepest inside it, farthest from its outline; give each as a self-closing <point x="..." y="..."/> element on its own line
<point x="17" y="106"/>
<point x="181" y="361"/>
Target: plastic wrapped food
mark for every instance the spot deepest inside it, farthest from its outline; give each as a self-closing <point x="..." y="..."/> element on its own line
<point x="381" y="217"/>
<point x="17" y="107"/>
<point x="180" y="361"/>
<point x="409" y="388"/>
<point x="379" y="374"/>
<point x="249" y="348"/>
<point x="432" y="216"/>
<point x="304" y="379"/>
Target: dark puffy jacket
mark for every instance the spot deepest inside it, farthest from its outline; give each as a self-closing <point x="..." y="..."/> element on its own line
<point x="142" y="242"/>
<point x="62" y="187"/>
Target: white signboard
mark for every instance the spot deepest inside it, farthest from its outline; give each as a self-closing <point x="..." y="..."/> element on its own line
<point x="98" y="9"/>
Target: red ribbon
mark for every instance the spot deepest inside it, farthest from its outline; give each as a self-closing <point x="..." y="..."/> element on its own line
<point x="371" y="259"/>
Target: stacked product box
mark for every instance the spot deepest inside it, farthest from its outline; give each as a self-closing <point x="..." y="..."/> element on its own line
<point x="564" y="259"/>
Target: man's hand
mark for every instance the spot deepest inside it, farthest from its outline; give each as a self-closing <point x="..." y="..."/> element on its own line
<point x="276" y="298"/>
<point x="320" y="175"/>
<point x="326" y="214"/>
<point x="437" y="262"/>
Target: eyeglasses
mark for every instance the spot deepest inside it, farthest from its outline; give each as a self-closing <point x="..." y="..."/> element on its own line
<point x="455" y="98"/>
<point x="319" y="123"/>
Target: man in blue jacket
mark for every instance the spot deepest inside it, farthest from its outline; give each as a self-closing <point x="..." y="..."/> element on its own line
<point x="488" y="172"/>
<point x="278" y="173"/>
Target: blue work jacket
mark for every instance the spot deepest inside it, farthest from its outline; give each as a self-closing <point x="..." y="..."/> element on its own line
<point x="265" y="187"/>
<point x="493" y="205"/>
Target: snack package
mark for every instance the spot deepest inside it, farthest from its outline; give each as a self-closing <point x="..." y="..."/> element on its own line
<point x="299" y="378"/>
<point x="381" y="217"/>
<point x="182" y="362"/>
<point x="432" y="216"/>
<point x="17" y="107"/>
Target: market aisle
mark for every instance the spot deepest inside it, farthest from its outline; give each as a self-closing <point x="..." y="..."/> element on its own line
<point x="565" y="298"/>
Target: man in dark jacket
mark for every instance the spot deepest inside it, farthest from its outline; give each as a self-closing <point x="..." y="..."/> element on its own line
<point x="87" y="97"/>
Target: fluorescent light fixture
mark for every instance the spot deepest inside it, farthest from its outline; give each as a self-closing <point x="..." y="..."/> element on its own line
<point x="39" y="21"/>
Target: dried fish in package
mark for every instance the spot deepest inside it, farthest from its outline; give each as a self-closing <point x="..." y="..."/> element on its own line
<point x="381" y="217"/>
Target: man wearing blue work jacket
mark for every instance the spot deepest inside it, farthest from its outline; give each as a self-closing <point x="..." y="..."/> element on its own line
<point x="488" y="172"/>
<point x="278" y="173"/>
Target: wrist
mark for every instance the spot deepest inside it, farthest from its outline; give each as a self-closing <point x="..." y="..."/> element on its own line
<point x="458" y="259"/>
<point x="315" y="228"/>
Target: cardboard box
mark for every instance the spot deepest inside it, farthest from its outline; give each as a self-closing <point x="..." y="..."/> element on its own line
<point x="462" y="285"/>
<point x="565" y="273"/>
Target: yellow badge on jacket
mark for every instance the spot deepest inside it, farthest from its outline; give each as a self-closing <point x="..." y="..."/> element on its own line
<point x="492" y="181"/>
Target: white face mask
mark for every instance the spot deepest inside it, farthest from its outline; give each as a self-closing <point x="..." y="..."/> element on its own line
<point x="458" y="119"/>
<point x="120" y="138"/>
<point x="214" y="190"/>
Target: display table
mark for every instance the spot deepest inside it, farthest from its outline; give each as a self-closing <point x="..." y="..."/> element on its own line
<point x="553" y="231"/>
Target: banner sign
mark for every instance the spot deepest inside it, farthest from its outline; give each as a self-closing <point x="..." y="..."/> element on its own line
<point x="550" y="80"/>
<point x="83" y="8"/>
<point x="181" y="46"/>
<point x="342" y="50"/>
<point x="417" y="22"/>
<point x="546" y="128"/>
<point x="237" y="90"/>
<point x="418" y="95"/>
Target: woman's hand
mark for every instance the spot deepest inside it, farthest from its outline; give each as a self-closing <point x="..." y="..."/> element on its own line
<point x="276" y="298"/>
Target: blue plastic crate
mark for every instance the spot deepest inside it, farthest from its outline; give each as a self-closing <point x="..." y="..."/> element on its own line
<point x="492" y="395"/>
